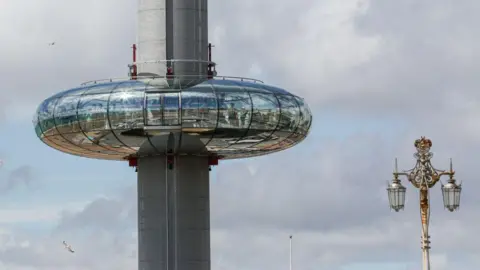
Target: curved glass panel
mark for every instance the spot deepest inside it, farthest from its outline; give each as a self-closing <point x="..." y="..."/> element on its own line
<point x="67" y="92"/>
<point x="65" y="118"/>
<point x="273" y="89"/>
<point x="290" y="112"/>
<point x="107" y="140"/>
<point x="126" y="113"/>
<point x="45" y="116"/>
<point x="126" y="109"/>
<point x="92" y="116"/>
<point x="265" y="117"/>
<point x="102" y="88"/>
<point x="38" y="130"/>
<point x="66" y="112"/>
<point x="287" y="125"/>
<point x="36" y="123"/>
<point x="304" y="117"/>
<point x="235" y="111"/>
<point x="199" y="112"/>
<point x="293" y="140"/>
<point x="92" y="112"/>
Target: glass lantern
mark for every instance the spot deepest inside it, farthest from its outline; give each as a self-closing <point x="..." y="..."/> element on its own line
<point x="451" y="195"/>
<point x="396" y="195"/>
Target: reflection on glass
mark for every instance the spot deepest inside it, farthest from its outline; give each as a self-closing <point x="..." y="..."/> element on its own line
<point x="101" y="88"/>
<point x="199" y="109"/>
<point x="304" y="117"/>
<point x="288" y="122"/>
<point x="126" y="110"/>
<point x="235" y="112"/>
<point x="163" y="109"/>
<point x="83" y="143"/>
<point x="295" y="138"/>
<point x="289" y="117"/>
<point x="273" y="89"/>
<point x="66" y="114"/>
<point x="45" y="116"/>
<point x="171" y="109"/>
<point x="266" y="112"/>
<point x="126" y="115"/>
<point x="92" y="112"/>
<point x="109" y="141"/>
<point x="36" y="124"/>
<point x="38" y="130"/>
<point x="235" y="109"/>
<point x="154" y="109"/>
<point x="199" y="112"/>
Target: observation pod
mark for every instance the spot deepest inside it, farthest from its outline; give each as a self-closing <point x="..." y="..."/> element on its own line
<point x="173" y="119"/>
<point x="228" y="117"/>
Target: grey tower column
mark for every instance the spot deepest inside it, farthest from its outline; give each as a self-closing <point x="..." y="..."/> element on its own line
<point x="173" y="214"/>
<point x="172" y="30"/>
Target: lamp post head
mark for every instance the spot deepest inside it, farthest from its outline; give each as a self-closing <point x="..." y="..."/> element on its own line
<point x="451" y="195"/>
<point x="396" y="195"/>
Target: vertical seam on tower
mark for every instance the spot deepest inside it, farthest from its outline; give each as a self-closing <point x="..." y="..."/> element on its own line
<point x="167" y="244"/>
<point x="174" y="175"/>
<point x="180" y="120"/>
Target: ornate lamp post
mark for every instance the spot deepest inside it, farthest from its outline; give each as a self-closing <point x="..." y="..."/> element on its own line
<point x="424" y="176"/>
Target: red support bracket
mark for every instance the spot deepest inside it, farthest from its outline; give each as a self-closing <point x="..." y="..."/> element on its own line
<point x="132" y="162"/>
<point x="170" y="162"/>
<point x="170" y="73"/>
<point x="212" y="161"/>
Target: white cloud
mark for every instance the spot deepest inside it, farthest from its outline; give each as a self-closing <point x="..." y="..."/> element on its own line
<point x="10" y="215"/>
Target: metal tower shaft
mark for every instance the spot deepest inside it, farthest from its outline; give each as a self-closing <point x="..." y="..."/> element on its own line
<point x="173" y="213"/>
<point x="172" y="34"/>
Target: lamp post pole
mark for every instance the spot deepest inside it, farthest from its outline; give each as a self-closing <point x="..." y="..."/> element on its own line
<point x="291" y="252"/>
<point x="424" y="177"/>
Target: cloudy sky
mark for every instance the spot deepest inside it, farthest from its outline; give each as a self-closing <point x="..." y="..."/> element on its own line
<point x="377" y="75"/>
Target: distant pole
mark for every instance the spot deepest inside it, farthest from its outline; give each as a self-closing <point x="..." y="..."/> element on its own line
<point x="290" y="252"/>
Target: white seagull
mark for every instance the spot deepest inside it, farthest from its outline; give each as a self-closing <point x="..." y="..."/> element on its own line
<point x="68" y="247"/>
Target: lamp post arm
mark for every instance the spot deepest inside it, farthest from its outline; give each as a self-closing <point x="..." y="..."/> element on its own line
<point x="449" y="173"/>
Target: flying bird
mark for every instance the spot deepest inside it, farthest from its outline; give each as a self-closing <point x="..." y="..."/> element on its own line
<point x="68" y="247"/>
<point x="51" y="43"/>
